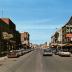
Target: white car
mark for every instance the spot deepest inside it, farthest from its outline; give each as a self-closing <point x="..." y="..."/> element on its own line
<point x="64" y="54"/>
<point x="47" y="53"/>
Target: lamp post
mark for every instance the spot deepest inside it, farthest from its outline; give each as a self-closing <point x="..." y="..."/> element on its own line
<point x="57" y="38"/>
<point x="61" y="39"/>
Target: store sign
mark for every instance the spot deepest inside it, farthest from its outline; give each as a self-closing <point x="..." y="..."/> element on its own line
<point x="69" y="28"/>
<point x="5" y="35"/>
<point x="68" y="25"/>
<point x="69" y="35"/>
<point x="10" y="35"/>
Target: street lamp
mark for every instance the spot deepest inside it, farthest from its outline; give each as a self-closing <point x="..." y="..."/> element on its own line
<point x="61" y="39"/>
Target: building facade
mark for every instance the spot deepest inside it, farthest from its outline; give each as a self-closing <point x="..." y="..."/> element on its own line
<point x="63" y="37"/>
<point x="54" y="39"/>
<point x="25" y="39"/>
<point x="9" y="37"/>
<point x="67" y="32"/>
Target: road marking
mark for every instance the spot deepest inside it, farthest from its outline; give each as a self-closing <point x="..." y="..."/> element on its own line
<point x="39" y="65"/>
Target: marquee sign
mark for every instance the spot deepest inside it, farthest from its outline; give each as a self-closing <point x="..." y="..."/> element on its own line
<point x="69" y="28"/>
<point x="68" y="25"/>
<point x="7" y="36"/>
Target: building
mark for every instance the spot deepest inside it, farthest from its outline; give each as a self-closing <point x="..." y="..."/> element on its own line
<point x="67" y="32"/>
<point x="9" y="37"/>
<point x="67" y="35"/>
<point x="63" y="37"/>
<point x="25" y="39"/>
<point x="44" y="45"/>
<point x="59" y="38"/>
<point x="54" y="39"/>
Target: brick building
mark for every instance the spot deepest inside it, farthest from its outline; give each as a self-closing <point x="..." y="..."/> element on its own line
<point x="25" y="39"/>
<point x="9" y="37"/>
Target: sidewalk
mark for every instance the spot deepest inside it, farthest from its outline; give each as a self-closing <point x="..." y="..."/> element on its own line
<point x="3" y="58"/>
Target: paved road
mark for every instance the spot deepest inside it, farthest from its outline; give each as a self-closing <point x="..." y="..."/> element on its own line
<point x="57" y="64"/>
<point x="35" y="62"/>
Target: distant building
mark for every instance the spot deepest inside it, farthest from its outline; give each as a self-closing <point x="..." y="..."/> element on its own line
<point x="25" y="38"/>
<point x="54" y="39"/>
<point x="44" y="45"/>
<point x="60" y="36"/>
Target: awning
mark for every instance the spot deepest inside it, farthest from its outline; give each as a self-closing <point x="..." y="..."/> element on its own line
<point x="65" y="44"/>
<point x="68" y="45"/>
<point x="61" y="44"/>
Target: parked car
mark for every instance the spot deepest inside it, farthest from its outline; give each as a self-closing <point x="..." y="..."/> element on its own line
<point x="12" y="54"/>
<point x="28" y="50"/>
<point x="47" y="52"/>
<point x="56" y="53"/>
<point x="19" y="52"/>
<point x="62" y="53"/>
<point x="22" y="51"/>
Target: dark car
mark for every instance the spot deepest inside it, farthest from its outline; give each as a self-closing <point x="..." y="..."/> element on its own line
<point x="13" y="54"/>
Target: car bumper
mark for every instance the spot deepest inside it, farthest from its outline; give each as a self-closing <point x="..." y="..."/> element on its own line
<point x="12" y="56"/>
<point x="47" y="54"/>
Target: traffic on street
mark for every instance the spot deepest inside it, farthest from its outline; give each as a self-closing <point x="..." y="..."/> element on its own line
<point x="35" y="35"/>
<point x="36" y="62"/>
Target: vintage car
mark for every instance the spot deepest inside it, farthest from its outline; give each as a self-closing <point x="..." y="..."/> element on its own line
<point x="47" y="52"/>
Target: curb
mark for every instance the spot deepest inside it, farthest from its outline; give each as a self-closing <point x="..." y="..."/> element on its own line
<point x="3" y="58"/>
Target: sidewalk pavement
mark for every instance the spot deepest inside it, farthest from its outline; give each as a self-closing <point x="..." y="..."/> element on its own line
<point x="3" y="58"/>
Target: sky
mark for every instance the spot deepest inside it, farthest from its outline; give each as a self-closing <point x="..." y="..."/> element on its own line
<point x="41" y="18"/>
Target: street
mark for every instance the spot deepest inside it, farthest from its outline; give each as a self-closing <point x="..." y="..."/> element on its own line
<point x="36" y="62"/>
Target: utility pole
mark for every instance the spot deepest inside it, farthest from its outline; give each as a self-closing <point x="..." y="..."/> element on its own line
<point x="61" y="39"/>
<point x="2" y="13"/>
